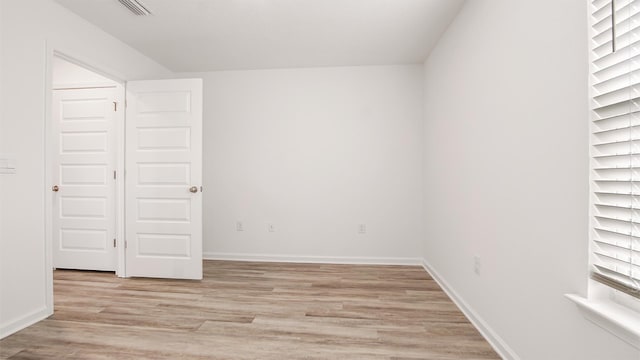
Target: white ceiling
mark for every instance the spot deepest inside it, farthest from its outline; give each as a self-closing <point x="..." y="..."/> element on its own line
<point x="207" y="35"/>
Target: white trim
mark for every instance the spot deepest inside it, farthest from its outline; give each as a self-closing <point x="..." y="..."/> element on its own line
<point x="498" y="344"/>
<point x="356" y="260"/>
<point x="83" y="86"/>
<point x="121" y="98"/>
<point x="25" y="321"/>
<point x="618" y="320"/>
<point x="121" y="270"/>
<point x="48" y="196"/>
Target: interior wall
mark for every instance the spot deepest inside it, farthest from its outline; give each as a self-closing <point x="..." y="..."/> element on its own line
<point x="67" y="74"/>
<point x="506" y="174"/>
<point x="315" y="152"/>
<point x="27" y="28"/>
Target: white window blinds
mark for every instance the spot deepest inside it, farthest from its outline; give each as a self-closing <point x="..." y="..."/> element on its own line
<point x="615" y="144"/>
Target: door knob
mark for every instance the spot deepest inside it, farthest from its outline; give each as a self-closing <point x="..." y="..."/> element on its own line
<point x="55" y="188"/>
<point x="193" y="189"/>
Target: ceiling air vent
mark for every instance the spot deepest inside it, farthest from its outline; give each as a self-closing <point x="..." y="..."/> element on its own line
<point x="135" y="7"/>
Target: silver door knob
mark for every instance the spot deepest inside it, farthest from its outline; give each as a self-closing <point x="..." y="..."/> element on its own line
<point x="193" y="189"/>
<point x="55" y="188"/>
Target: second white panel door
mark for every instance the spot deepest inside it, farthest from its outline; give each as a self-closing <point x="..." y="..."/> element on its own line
<point x="163" y="178"/>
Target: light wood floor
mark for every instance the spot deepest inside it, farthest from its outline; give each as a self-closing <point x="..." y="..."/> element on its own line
<point x="245" y="310"/>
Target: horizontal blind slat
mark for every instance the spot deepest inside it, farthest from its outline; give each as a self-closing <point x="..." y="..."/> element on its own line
<point x="603" y="143"/>
<point x="625" y="180"/>
<point x="601" y="121"/>
<point x="623" y="244"/>
<point x="616" y="206"/>
<point x="602" y="156"/>
<point x="604" y="168"/>
<point x="619" y="95"/>
<point x="622" y="107"/>
<point x="621" y="248"/>
<point x="616" y="231"/>
<point x="617" y="129"/>
<point x="625" y="265"/>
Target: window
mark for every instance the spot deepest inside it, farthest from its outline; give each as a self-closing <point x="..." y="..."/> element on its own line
<point x="615" y="144"/>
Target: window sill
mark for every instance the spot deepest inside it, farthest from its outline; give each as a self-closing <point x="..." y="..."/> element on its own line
<point x="618" y="320"/>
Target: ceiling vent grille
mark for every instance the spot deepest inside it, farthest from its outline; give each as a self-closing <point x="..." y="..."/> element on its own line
<point x="135" y="7"/>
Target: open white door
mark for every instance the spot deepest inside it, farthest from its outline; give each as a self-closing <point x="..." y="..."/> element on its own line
<point x="83" y="155"/>
<point x="163" y="179"/>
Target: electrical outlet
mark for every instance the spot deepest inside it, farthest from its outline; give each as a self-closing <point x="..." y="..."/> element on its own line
<point x="476" y="264"/>
<point x="362" y="229"/>
<point x="271" y="227"/>
<point x="239" y="226"/>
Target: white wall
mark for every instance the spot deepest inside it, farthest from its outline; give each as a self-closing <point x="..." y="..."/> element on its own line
<point x="25" y="27"/>
<point x="316" y="152"/>
<point x="506" y="173"/>
<point x="67" y="74"/>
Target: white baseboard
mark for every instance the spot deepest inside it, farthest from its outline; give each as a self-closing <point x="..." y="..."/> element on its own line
<point x="498" y="344"/>
<point x="23" y="322"/>
<point x="313" y="259"/>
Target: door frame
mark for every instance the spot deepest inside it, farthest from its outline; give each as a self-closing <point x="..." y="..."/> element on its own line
<point x="51" y="52"/>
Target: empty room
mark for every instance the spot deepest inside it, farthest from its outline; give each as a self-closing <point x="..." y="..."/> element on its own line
<point x="320" y="179"/>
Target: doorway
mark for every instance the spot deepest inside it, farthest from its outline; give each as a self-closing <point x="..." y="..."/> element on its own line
<point x="85" y="133"/>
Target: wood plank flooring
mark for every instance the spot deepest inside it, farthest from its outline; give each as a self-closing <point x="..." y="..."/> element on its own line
<point x="247" y="310"/>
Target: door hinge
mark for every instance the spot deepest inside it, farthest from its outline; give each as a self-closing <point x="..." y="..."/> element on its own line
<point x="115" y="106"/>
<point x="114" y="174"/>
<point x="125" y="244"/>
<point x="114" y="242"/>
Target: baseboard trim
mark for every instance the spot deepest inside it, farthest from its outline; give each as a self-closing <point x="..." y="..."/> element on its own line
<point x="312" y="259"/>
<point x="23" y="322"/>
<point x="498" y="344"/>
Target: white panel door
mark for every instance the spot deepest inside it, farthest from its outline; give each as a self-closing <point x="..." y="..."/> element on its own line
<point x="163" y="178"/>
<point x="83" y="154"/>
